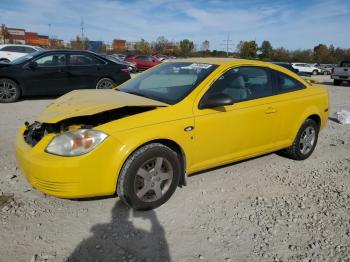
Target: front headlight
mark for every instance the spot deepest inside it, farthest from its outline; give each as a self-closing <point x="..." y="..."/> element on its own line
<point x="75" y="143"/>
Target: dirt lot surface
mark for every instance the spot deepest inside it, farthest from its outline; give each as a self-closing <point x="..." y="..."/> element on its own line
<point x="266" y="209"/>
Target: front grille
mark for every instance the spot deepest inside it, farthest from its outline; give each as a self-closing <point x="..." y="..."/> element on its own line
<point x="34" y="133"/>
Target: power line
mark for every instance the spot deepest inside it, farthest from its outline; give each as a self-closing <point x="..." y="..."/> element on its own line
<point x="228" y="43"/>
<point x="82" y="28"/>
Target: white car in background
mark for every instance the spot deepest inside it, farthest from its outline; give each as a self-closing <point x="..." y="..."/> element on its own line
<point x="306" y="68"/>
<point x="10" y="52"/>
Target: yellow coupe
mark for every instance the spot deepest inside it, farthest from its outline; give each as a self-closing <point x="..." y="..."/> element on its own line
<point x="142" y="139"/>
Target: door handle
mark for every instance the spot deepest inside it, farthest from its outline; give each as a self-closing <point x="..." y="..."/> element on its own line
<point x="270" y="110"/>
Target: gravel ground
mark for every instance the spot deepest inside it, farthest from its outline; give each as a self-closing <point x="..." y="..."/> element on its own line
<point x="266" y="209"/>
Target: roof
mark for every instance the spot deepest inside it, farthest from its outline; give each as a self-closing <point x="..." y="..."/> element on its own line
<point x="233" y="61"/>
<point x="221" y="61"/>
<point x="3" y="45"/>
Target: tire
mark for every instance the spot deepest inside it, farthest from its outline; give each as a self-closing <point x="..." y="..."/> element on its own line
<point x="140" y="178"/>
<point x="297" y="151"/>
<point x="9" y="91"/>
<point x="315" y="72"/>
<point x="337" y="82"/>
<point x="105" y="83"/>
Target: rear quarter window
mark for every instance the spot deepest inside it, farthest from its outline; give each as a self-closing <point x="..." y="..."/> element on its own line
<point x="285" y="83"/>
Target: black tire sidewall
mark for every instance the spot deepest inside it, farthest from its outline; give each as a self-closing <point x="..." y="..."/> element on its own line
<point x="306" y="124"/>
<point x="129" y="175"/>
<point x="18" y="91"/>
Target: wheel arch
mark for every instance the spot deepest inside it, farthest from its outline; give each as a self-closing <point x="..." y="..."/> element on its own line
<point x="102" y="77"/>
<point x="14" y="80"/>
<point x="316" y="118"/>
<point x="310" y="113"/>
<point x="166" y="142"/>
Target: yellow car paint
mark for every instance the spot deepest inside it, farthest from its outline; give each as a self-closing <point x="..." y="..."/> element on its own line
<point x="218" y="136"/>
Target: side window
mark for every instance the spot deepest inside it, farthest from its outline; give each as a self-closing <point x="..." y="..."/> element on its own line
<point x="16" y="49"/>
<point x="243" y="83"/>
<point x="82" y="59"/>
<point x="52" y="60"/>
<point x="286" y="83"/>
<point x="28" y="50"/>
<point x="141" y="57"/>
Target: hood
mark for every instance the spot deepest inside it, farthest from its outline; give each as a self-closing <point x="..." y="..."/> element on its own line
<point x="90" y="102"/>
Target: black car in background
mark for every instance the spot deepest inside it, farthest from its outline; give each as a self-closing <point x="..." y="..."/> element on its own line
<point x="291" y="68"/>
<point x="132" y="68"/>
<point x="56" y="72"/>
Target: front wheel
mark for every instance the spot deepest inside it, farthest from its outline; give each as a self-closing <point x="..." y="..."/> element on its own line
<point x="305" y="141"/>
<point x="9" y="91"/>
<point x="149" y="177"/>
<point x="314" y="72"/>
<point x="105" y="83"/>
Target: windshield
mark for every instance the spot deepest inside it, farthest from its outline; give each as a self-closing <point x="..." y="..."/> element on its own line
<point x="25" y="58"/>
<point x="170" y="82"/>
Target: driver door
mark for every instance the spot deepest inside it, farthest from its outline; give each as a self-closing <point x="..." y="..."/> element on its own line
<point x="49" y="76"/>
<point x="243" y="129"/>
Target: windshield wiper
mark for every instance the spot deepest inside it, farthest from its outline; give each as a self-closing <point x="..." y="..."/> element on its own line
<point x="149" y="97"/>
<point x="134" y="93"/>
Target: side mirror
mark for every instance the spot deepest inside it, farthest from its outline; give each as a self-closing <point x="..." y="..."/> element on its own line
<point x="33" y="65"/>
<point x="215" y="100"/>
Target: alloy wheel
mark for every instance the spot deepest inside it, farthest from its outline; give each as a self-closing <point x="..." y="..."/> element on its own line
<point x="153" y="179"/>
<point x="105" y="84"/>
<point x="307" y="140"/>
<point x="7" y="90"/>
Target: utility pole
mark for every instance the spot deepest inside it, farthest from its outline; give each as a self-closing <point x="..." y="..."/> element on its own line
<point x="227" y="43"/>
<point x="82" y="28"/>
<point x="48" y="34"/>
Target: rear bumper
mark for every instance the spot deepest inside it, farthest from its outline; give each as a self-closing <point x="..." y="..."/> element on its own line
<point x="89" y="175"/>
<point x="337" y="77"/>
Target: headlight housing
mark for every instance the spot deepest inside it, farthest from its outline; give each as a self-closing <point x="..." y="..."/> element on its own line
<point x="75" y="143"/>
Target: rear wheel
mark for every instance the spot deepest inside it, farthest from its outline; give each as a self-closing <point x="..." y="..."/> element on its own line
<point x="337" y="82"/>
<point x="9" y="91"/>
<point x="149" y="177"/>
<point x="105" y="83"/>
<point x="305" y="141"/>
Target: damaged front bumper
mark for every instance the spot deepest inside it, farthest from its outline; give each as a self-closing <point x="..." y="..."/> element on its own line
<point x="89" y="175"/>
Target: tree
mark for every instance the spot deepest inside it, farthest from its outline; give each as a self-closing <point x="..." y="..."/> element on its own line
<point x="247" y="49"/>
<point x="321" y="54"/>
<point x="205" y="45"/>
<point x="5" y="33"/>
<point x="266" y="50"/>
<point x="280" y="55"/>
<point x="185" y="47"/>
<point x="143" y="47"/>
<point x="161" y="45"/>
<point x="305" y="56"/>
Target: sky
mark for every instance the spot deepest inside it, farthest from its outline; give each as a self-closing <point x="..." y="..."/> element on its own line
<point x="291" y="24"/>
